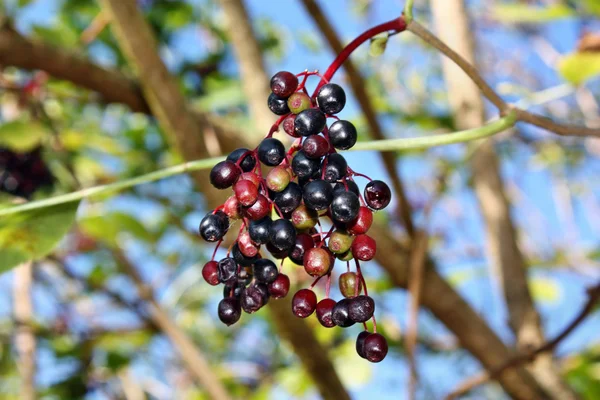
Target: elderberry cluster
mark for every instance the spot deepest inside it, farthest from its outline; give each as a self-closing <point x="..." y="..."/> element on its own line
<point x="21" y="174"/>
<point x="282" y="211"/>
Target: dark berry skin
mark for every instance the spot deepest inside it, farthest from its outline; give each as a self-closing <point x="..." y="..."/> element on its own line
<point x="310" y="122"/>
<point x="315" y="146"/>
<point x="324" y="312"/>
<point x="303" y="166"/>
<point x="251" y="300"/>
<point x="264" y="291"/>
<point x="317" y="195"/>
<point x="249" y="161"/>
<point x="304" y="303"/>
<point x="361" y="223"/>
<point x="265" y="270"/>
<point x="345" y="206"/>
<point x="214" y="226"/>
<point x="375" y="347"/>
<point x="289" y="198"/>
<point x="210" y="273"/>
<point x="282" y="235"/>
<point x="259" y="230"/>
<point x="227" y="269"/>
<point x="284" y="83"/>
<point x="360" y="343"/>
<point x="304" y="242"/>
<point x="336" y="167"/>
<point x="361" y="308"/>
<point x="340" y="314"/>
<point x="348" y="282"/>
<point x="260" y="209"/>
<point x="229" y="311"/>
<point x="364" y="248"/>
<point x="224" y="174"/>
<point x="280" y="287"/>
<point x="246" y="192"/>
<point x="317" y="262"/>
<point x="351" y="186"/>
<point x="288" y="125"/>
<point x="342" y="135"/>
<point x="233" y="288"/>
<point x="377" y="195"/>
<point x="275" y="252"/>
<point x="240" y="258"/>
<point x="331" y="98"/>
<point x="277" y="105"/>
<point x="271" y="152"/>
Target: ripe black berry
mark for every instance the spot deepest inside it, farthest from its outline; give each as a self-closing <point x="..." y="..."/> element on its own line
<point x="375" y="347"/>
<point x="251" y="300"/>
<point x="331" y="98"/>
<point x="361" y="308"/>
<point x="277" y="105"/>
<point x="289" y="199"/>
<point x="315" y="146"/>
<point x="310" y="122"/>
<point x="271" y="152"/>
<point x="304" y="303"/>
<point x="340" y="314"/>
<point x="303" y="166"/>
<point x="265" y="270"/>
<point x="224" y="174"/>
<point x="345" y="206"/>
<point x="352" y="187"/>
<point x="280" y="287"/>
<point x="284" y="83"/>
<point x="276" y="253"/>
<point x="342" y="135"/>
<point x="214" y="226"/>
<point x="303" y="243"/>
<point x="360" y="343"/>
<point x="324" y="312"/>
<point x="229" y="311"/>
<point x="263" y="289"/>
<point x="377" y="195"/>
<point x="233" y="288"/>
<point x="259" y="230"/>
<point x="336" y="167"/>
<point x="249" y="161"/>
<point x="317" y="195"/>
<point x="227" y="269"/>
<point x="282" y="235"/>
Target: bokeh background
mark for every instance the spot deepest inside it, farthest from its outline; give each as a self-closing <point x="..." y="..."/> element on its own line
<point x="93" y="325"/>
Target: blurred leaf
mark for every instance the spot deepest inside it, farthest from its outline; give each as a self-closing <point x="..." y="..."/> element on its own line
<point x="592" y="6"/>
<point x="378" y="44"/>
<point x="544" y="290"/>
<point x="62" y="34"/>
<point x="124" y="342"/>
<point x="225" y="96"/>
<point x="525" y="13"/>
<point x="309" y="40"/>
<point x="579" y="67"/>
<point x="21" y="135"/>
<point x="115" y="361"/>
<point x="353" y="374"/>
<point x="109" y="227"/>
<point x="32" y="234"/>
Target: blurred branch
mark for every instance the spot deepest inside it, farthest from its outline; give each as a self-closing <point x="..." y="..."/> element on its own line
<point x="359" y="87"/>
<point x="95" y="28"/>
<point x="471" y="383"/>
<point x="25" y="336"/>
<point x="408" y="11"/>
<point x="474" y="75"/>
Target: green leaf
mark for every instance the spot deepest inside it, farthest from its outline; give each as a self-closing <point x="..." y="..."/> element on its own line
<point x="579" y="67"/>
<point x="378" y="44"/>
<point x="116" y="361"/>
<point x="22" y="135"/>
<point x="33" y="234"/>
<point x="592" y="6"/>
<point x="525" y="13"/>
<point x="109" y="227"/>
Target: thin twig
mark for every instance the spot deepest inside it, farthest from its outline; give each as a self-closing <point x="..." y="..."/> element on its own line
<point x="415" y="284"/>
<point x="25" y="336"/>
<point x="473" y="382"/>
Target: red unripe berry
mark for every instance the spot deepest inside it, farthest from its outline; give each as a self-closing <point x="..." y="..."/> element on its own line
<point x="304" y="303"/>
<point x="280" y="287"/>
<point x="361" y="223"/>
<point x="364" y="248"/>
<point x="210" y="273"/>
<point x="317" y="262"/>
<point x="315" y="146"/>
<point x="324" y="309"/>
<point x="231" y="207"/>
<point x="252" y="177"/>
<point x="375" y="347"/>
<point x="288" y="125"/>
<point x="246" y="246"/>
<point x="260" y="209"/>
<point x="246" y="192"/>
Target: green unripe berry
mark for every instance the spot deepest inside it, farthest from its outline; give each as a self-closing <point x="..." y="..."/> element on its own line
<point x="348" y="284"/>
<point x="304" y="218"/>
<point x="299" y="102"/>
<point x="278" y="179"/>
<point x="340" y="242"/>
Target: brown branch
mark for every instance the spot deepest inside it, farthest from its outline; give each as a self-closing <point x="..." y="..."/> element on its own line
<point x="586" y="310"/>
<point x="359" y="87"/>
<point x="522" y="115"/>
<point x="25" y="336"/>
<point x="415" y="286"/>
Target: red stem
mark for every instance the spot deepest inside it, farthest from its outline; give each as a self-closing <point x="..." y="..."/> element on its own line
<point x="395" y="25"/>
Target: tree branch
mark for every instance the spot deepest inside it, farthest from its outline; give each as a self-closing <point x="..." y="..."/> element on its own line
<point x="586" y="310"/>
<point x="25" y="336"/>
